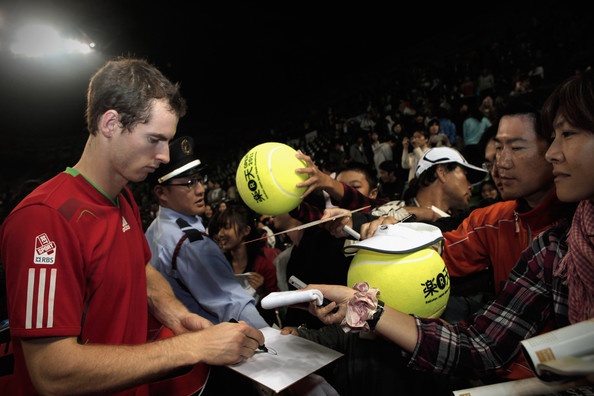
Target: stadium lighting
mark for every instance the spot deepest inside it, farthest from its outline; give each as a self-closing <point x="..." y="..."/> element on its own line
<point x="40" y="40"/>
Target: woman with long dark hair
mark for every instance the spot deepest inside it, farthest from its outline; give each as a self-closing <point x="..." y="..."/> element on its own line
<point x="244" y="245"/>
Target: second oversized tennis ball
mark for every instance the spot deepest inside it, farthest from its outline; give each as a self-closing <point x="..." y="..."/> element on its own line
<point x="414" y="283"/>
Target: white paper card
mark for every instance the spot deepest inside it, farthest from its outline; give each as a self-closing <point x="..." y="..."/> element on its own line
<point x="295" y="358"/>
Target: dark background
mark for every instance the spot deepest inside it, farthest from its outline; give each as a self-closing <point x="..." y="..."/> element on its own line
<point x="245" y="70"/>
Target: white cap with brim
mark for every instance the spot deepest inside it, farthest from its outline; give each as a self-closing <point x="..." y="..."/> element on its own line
<point x="444" y="155"/>
<point x="190" y="165"/>
<point x="400" y="238"/>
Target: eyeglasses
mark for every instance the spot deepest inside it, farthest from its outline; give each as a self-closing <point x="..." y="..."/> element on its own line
<point x="191" y="183"/>
<point x="488" y="166"/>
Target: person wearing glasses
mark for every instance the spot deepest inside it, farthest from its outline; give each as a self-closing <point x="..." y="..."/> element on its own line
<point x="192" y="262"/>
<point x="196" y="268"/>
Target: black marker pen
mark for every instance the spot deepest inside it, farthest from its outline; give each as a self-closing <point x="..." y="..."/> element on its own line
<point x="260" y="347"/>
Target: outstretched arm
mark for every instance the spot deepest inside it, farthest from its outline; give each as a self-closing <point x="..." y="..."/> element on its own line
<point x="398" y="327"/>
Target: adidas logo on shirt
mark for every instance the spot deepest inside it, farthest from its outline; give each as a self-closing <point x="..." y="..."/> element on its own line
<point x="125" y="225"/>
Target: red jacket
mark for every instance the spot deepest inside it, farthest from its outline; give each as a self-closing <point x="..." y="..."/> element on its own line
<point x="496" y="235"/>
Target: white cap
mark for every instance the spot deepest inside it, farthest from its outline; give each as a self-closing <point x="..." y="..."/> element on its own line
<point x="444" y="155"/>
<point x="399" y="238"/>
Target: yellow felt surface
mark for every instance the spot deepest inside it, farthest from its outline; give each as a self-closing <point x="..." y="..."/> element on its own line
<point x="415" y="283"/>
<point x="266" y="178"/>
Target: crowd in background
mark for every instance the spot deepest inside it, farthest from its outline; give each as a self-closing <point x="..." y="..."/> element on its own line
<point x="455" y="85"/>
<point x="450" y="97"/>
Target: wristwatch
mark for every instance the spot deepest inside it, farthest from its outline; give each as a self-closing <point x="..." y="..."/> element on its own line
<point x="376" y="316"/>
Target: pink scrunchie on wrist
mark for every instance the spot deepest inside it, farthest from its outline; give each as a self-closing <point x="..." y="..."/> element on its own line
<point x="360" y="308"/>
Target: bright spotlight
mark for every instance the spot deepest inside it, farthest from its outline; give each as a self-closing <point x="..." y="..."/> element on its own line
<point x="37" y="40"/>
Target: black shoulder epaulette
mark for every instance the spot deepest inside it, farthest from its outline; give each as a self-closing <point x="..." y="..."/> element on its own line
<point x="192" y="233"/>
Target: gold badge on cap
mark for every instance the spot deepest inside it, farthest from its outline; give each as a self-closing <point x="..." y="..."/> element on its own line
<point x="186" y="146"/>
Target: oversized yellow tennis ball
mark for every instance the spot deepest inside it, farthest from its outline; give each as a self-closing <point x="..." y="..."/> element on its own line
<point x="414" y="283"/>
<point x="266" y="178"/>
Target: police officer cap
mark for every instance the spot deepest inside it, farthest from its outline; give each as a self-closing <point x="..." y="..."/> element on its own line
<point x="182" y="161"/>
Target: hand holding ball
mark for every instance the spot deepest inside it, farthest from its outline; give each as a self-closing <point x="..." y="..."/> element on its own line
<point x="266" y="178"/>
<point x="403" y="261"/>
<point x="414" y="283"/>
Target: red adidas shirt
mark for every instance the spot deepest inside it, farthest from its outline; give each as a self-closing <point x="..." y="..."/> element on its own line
<point x="75" y="266"/>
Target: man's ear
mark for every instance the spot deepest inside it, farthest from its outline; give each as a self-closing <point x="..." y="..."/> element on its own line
<point x="109" y="123"/>
<point x="373" y="193"/>
<point x="160" y="192"/>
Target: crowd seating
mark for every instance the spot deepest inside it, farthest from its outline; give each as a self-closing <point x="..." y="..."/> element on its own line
<point x="420" y="76"/>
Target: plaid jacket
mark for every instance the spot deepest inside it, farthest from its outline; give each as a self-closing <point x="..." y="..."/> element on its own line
<point x="531" y="299"/>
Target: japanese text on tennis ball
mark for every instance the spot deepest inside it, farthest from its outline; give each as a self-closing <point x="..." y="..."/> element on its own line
<point x="248" y="172"/>
<point x="435" y="285"/>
